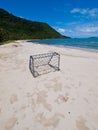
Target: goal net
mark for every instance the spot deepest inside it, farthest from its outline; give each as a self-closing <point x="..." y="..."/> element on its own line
<point x="44" y="63"/>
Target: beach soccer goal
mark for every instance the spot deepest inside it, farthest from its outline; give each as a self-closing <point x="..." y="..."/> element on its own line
<point x="44" y="63"/>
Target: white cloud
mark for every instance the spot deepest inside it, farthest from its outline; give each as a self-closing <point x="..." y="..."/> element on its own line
<point x="87" y="29"/>
<point x="79" y="29"/>
<point x="75" y="10"/>
<point x="86" y="11"/>
<point x="61" y="30"/>
<point x="81" y="11"/>
<point x="93" y="12"/>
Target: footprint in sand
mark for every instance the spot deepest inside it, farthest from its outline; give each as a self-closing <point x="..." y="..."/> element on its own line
<point x="26" y="128"/>
<point x="13" y="98"/>
<point x="52" y="121"/>
<point x="56" y="86"/>
<point x="10" y="123"/>
<point x="81" y="124"/>
<point x="42" y="98"/>
<point x="62" y="99"/>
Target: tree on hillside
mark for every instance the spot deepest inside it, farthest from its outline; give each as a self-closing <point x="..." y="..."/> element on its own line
<point x="3" y="35"/>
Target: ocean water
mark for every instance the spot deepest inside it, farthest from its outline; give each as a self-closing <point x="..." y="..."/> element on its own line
<point x="86" y="43"/>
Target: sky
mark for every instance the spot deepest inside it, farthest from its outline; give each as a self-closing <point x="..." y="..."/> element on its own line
<point x="74" y="18"/>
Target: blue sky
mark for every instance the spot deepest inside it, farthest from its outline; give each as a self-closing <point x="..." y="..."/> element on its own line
<point x="74" y="18"/>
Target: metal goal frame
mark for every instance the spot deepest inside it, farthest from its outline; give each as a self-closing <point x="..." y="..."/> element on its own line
<point x="44" y="63"/>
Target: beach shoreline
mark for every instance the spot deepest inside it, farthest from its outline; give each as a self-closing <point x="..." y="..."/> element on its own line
<point x="62" y="46"/>
<point x="65" y="99"/>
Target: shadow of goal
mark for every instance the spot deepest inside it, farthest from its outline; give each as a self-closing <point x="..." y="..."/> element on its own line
<point x="44" y="63"/>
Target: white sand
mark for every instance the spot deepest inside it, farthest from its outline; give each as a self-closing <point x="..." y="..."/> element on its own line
<point x="61" y="100"/>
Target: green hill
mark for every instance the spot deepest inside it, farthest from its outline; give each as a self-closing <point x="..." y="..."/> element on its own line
<point x="14" y="28"/>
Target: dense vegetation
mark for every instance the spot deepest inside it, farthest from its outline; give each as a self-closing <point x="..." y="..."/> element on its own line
<point x="14" y="28"/>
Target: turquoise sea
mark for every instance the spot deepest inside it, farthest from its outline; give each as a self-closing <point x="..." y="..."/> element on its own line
<point x="86" y="43"/>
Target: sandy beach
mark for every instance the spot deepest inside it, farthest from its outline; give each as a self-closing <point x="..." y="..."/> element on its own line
<point x="60" y="100"/>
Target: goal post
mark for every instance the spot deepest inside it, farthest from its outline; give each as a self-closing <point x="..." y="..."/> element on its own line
<point x="44" y="63"/>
